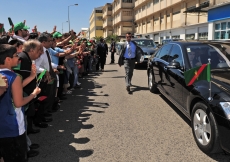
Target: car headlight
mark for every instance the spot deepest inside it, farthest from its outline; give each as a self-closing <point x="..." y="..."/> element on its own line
<point x="226" y="108"/>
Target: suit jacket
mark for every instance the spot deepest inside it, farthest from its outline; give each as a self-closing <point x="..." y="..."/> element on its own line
<point x="102" y="50"/>
<point x="138" y="54"/>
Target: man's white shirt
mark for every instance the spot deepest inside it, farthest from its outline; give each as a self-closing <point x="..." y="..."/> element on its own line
<point x="42" y="62"/>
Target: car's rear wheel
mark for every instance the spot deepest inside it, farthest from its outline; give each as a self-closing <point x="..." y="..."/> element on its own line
<point x="151" y="82"/>
<point x="205" y="129"/>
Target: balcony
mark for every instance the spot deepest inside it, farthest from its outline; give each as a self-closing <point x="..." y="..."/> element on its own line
<point x="107" y="13"/>
<point x="107" y="23"/>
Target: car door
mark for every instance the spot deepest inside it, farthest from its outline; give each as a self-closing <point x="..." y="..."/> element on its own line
<point x="176" y="76"/>
<point x="159" y="62"/>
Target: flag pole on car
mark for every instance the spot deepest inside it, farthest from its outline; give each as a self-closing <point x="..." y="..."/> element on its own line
<point x="202" y="72"/>
<point x="210" y="83"/>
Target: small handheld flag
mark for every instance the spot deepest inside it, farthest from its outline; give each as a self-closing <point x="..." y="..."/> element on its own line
<point x="41" y="75"/>
<point x="11" y="24"/>
<point x="18" y="67"/>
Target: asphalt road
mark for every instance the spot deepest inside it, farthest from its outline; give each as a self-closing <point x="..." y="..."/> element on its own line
<point x="101" y="122"/>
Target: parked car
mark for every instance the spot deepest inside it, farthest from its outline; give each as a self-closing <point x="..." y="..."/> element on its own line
<point x="165" y="41"/>
<point x="210" y="117"/>
<point x="119" y="46"/>
<point x="148" y="47"/>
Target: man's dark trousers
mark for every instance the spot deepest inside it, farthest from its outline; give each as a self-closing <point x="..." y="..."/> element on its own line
<point x="129" y="67"/>
<point x="112" y="57"/>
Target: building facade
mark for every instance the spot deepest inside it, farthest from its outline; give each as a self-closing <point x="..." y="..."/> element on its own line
<point x="107" y="20"/>
<point x="122" y="12"/>
<point x="96" y="23"/>
<point x="219" y="21"/>
<point x="169" y="19"/>
<point x="175" y="19"/>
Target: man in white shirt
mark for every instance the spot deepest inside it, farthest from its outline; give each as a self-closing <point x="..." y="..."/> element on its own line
<point x="49" y="85"/>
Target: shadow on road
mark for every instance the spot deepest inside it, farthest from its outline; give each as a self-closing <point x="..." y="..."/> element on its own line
<point x="60" y="141"/>
<point x="138" y="88"/>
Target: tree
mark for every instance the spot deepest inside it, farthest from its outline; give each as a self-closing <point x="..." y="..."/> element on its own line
<point x="97" y="39"/>
<point x="115" y="38"/>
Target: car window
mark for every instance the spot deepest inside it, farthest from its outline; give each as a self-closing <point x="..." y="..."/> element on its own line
<point x="200" y="53"/>
<point x="176" y="54"/>
<point x="148" y="43"/>
<point x="157" y="53"/>
<point x="164" y="53"/>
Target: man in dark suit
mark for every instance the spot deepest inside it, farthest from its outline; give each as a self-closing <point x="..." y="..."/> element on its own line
<point x="112" y="50"/>
<point x="102" y="51"/>
<point x="130" y="54"/>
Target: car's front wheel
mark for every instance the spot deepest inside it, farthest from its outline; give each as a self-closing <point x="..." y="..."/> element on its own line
<point x="205" y="129"/>
<point x="151" y="82"/>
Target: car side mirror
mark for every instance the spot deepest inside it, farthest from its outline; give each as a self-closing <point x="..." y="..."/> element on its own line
<point x="173" y="65"/>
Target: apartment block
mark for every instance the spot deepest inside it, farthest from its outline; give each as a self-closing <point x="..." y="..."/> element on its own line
<point x="96" y="23"/>
<point x="107" y="20"/>
<point x="163" y="19"/>
<point x="123" y="21"/>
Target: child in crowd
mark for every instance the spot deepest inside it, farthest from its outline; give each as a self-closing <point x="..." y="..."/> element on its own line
<point x="13" y="147"/>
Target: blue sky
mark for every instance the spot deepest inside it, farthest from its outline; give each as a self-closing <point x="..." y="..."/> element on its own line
<point x="47" y="13"/>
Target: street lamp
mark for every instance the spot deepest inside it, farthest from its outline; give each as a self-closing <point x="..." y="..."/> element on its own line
<point x="62" y="25"/>
<point x="68" y="14"/>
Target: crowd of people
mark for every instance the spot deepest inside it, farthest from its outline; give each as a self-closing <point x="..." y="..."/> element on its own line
<point x="37" y="72"/>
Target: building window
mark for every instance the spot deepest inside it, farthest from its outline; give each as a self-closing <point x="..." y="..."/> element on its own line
<point x="109" y="8"/>
<point x="127" y="13"/>
<point x="190" y="36"/>
<point x="176" y="37"/>
<point x="99" y="28"/>
<point x="175" y="13"/>
<point x="98" y="11"/>
<point x="99" y="18"/>
<point x="155" y="1"/>
<point x="203" y="36"/>
<point x="127" y="1"/>
<point x="222" y="30"/>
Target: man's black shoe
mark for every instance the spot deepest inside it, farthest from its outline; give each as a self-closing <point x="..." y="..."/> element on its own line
<point x="41" y="125"/>
<point x="63" y="98"/>
<point x="128" y="88"/>
<point x="33" y="131"/>
<point x="47" y="115"/>
<point x="32" y="153"/>
<point x="34" y="146"/>
<point x="77" y="86"/>
<point x="47" y="120"/>
<point x="69" y="88"/>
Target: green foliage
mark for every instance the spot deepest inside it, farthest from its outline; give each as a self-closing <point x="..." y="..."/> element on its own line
<point x="115" y="38"/>
<point x="97" y="39"/>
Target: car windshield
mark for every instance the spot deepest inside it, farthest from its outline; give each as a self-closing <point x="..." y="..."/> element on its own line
<point x="200" y="53"/>
<point x="148" y="43"/>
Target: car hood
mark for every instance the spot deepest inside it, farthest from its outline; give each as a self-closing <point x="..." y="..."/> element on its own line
<point x="148" y="49"/>
<point x="220" y="77"/>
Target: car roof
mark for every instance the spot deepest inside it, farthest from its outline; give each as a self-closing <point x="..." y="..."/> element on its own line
<point x="133" y="39"/>
<point x="185" y="43"/>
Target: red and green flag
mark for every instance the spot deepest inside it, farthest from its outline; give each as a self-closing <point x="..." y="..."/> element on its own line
<point x="193" y="75"/>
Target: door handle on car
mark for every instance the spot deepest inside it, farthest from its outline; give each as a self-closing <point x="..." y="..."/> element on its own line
<point x="165" y="68"/>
